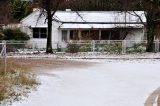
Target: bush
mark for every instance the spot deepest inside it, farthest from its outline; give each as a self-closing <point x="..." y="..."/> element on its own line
<point x="85" y="48"/>
<point x="14" y="34"/>
<point x="1" y="36"/>
<point x="72" y="48"/>
<point x="15" y="83"/>
<point x="137" y="48"/>
<point x="115" y="48"/>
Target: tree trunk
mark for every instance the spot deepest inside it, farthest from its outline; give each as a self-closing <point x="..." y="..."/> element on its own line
<point x="49" y="36"/>
<point x="150" y="35"/>
<point x="1" y="28"/>
<point x="150" y="39"/>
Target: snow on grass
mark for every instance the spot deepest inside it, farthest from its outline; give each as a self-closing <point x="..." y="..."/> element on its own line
<point x="87" y="55"/>
<point x="107" y="83"/>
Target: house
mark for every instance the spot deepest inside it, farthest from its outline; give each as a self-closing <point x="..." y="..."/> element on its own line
<point x="84" y="25"/>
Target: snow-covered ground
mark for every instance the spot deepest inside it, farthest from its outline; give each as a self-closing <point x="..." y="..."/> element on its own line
<point x="91" y="55"/>
<point x="107" y="83"/>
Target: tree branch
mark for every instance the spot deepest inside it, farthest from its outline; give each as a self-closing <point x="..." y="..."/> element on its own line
<point x="140" y="18"/>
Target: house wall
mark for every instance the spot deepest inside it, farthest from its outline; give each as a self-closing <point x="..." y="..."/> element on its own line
<point x="135" y="34"/>
<point x="31" y="21"/>
<point x="41" y="42"/>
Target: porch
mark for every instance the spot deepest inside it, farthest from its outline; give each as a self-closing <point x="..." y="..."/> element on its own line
<point x="102" y="34"/>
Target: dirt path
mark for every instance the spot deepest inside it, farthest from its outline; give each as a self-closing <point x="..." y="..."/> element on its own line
<point x="37" y="64"/>
<point x="153" y="99"/>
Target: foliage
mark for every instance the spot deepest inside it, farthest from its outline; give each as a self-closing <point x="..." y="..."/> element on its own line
<point x="14" y="79"/>
<point x="85" y="48"/>
<point x="115" y="48"/>
<point x="100" y="5"/>
<point x="5" y="16"/>
<point x="20" y="8"/>
<point x="1" y="36"/>
<point x="136" y="48"/>
<point x="72" y="48"/>
<point x="14" y="34"/>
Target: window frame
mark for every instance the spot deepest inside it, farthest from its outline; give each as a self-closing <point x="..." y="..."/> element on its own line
<point x="39" y="33"/>
<point x="64" y="36"/>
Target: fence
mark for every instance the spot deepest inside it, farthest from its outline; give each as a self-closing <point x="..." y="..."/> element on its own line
<point x="110" y="46"/>
<point x="3" y="57"/>
<point x="103" y="46"/>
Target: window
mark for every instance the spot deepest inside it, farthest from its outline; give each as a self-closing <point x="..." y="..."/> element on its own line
<point x="110" y="35"/>
<point x="85" y="35"/>
<point x="71" y="35"/>
<point x="74" y="35"/>
<point x="94" y="34"/>
<point x="105" y="35"/>
<point x="64" y="35"/>
<point x="39" y="32"/>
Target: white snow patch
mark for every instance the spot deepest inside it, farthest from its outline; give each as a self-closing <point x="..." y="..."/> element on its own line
<point x="107" y="83"/>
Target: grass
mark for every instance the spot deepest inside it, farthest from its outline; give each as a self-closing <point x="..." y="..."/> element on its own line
<point x="16" y="82"/>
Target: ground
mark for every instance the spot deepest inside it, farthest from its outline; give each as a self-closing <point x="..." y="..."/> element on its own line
<point x="96" y="82"/>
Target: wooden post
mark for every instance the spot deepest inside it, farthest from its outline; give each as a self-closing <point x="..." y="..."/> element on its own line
<point x="156" y="45"/>
<point x="79" y="35"/>
<point x="93" y="46"/>
<point x="123" y="46"/>
<point x="4" y="54"/>
<point x="100" y="34"/>
<point x="68" y="35"/>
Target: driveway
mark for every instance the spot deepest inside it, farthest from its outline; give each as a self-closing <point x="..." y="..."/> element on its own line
<point x="105" y="83"/>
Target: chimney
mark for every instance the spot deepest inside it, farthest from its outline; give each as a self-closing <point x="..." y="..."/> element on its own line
<point x="35" y="9"/>
<point x="68" y="10"/>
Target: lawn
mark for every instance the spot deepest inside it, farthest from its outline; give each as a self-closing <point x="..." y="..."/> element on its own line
<point x="16" y="82"/>
<point x="97" y="83"/>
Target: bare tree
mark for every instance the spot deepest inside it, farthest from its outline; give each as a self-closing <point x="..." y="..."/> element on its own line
<point x="151" y="10"/>
<point x="49" y="8"/>
<point x="5" y="14"/>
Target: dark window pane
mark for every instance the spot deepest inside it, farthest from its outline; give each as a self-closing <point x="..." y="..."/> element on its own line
<point x="43" y="35"/>
<point x="94" y="34"/>
<point x="105" y="35"/>
<point x="35" y="30"/>
<point x="115" y="35"/>
<point x="35" y="35"/>
<point x="71" y="35"/>
<point x="85" y="35"/>
<point x="64" y="35"/>
<point x="39" y="33"/>
<point x="43" y="30"/>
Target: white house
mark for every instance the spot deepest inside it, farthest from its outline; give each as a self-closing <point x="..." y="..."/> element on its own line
<point x="84" y="25"/>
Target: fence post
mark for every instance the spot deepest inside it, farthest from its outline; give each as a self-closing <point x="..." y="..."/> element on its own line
<point x="33" y="45"/>
<point x="124" y="47"/>
<point x="93" y="46"/>
<point x="4" y="54"/>
<point x="156" y="45"/>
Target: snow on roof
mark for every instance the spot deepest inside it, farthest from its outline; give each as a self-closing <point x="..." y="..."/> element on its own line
<point x="87" y="19"/>
<point x="99" y="26"/>
<point x="100" y="16"/>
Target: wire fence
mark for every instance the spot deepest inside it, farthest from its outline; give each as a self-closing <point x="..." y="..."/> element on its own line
<point x="3" y="57"/>
<point x="102" y="46"/>
<point x="110" y="46"/>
